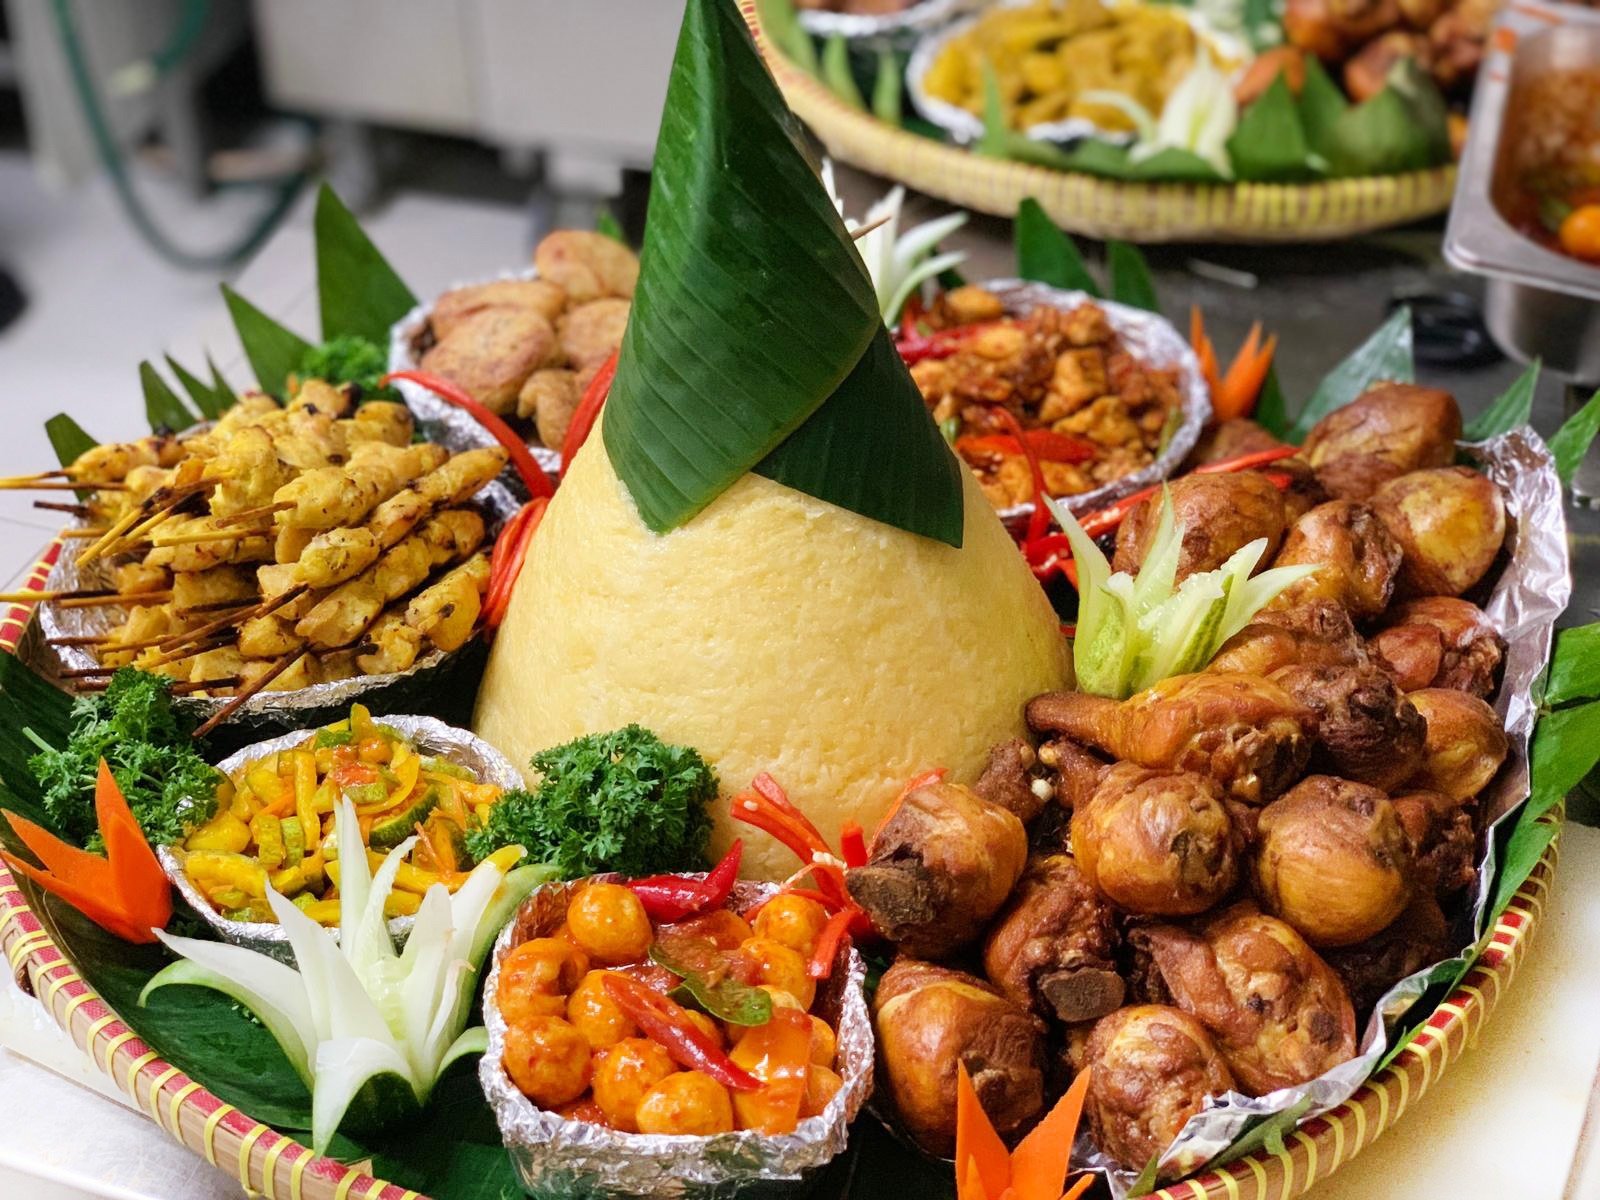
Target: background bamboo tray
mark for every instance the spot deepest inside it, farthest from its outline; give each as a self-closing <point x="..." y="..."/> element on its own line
<point x="281" y="1168"/>
<point x="1107" y="208"/>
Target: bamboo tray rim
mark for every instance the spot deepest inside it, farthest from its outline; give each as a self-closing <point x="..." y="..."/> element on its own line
<point x="1141" y="211"/>
<point x="279" y="1167"/>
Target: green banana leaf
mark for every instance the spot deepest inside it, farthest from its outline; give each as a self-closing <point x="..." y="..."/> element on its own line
<point x="1386" y="355"/>
<point x="275" y="352"/>
<point x="755" y="334"/>
<point x="358" y="292"/>
<point x="1270" y="143"/>
<point x="1509" y="411"/>
<point x="162" y="408"/>
<point x="1131" y="281"/>
<point x="1047" y="255"/>
<point x="1572" y="441"/>
<point x="204" y="395"/>
<point x="68" y="439"/>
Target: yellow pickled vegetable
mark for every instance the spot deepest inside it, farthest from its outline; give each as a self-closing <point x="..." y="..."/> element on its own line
<point x="210" y="868"/>
<point x="225" y="832"/>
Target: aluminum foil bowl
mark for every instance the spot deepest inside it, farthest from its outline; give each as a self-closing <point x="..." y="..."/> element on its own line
<point x="443" y="683"/>
<point x="964" y="127"/>
<point x="427" y="734"/>
<point x="444" y="423"/>
<point x="555" y="1157"/>
<point x="1151" y="338"/>
<point x="899" y="30"/>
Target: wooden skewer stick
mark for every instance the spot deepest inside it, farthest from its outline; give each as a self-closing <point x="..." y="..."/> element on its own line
<point x="202" y="685"/>
<point x="18" y="480"/>
<point x="250" y="689"/>
<point x="250" y="514"/>
<point x="217" y="606"/>
<point x="232" y="619"/>
<point x="209" y="535"/>
<point x="41" y="485"/>
<point x="97" y="532"/>
<point x="76" y="510"/>
<point x="59" y="594"/>
<point x="116" y="529"/>
<point x="131" y="599"/>
<point x="183" y="652"/>
<point x="88" y="672"/>
<point x="857" y="234"/>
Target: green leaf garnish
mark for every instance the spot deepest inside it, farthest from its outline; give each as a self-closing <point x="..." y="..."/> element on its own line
<point x="274" y="351"/>
<point x="358" y="292"/>
<point x="1509" y="411"/>
<point x="999" y="140"/>
<point x="1386" y="355"/>
<point x="704" y="971"/>
<point x="1131" y="282"/>
<point x="1575" y="666"/>
<point x="1171" y="164"/>
<point x="162" y="408"/>
<point x="1572" y="441"/>
<point x="836" y="72"/>
<point x="219" y="386"/>
<point x="1270" y="142"/>
<point x="1135" y="632"/>
<point x="756" y="340"/>
<point x="68" y="439"/>
<point x="1566" y="746"/>
<point x="1403" y="128"/>
<point x="782" y="26"/>
<point x="888" y="88"/>
<point x="205" y="397"/>
<point x="1321" y="106"/>
<point x="1272" y="409"/>
<point x="1047" y="255"/>
<point x="606" y="223"/>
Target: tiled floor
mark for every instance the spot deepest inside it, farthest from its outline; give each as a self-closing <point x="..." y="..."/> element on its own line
<point x="100" y="301"/>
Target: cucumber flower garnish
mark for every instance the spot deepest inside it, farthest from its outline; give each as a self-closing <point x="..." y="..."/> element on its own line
<point x="1134" y="632"/>
<point x="358" y="1018"/>
<point x="899" y="263"/>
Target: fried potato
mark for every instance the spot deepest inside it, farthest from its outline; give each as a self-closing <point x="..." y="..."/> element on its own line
<point x="492" y="353"/>
<point x="588" y="265"/>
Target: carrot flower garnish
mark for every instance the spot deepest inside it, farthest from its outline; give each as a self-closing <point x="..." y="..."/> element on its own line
<point x="126" y="892"/>
<point x="1036" y="1169"/>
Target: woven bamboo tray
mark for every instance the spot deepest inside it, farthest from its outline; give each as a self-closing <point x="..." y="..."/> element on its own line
<point x="269" y="1163"/>
<point x="1107" y="208"/>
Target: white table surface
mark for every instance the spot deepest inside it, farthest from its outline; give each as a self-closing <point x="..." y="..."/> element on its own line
<point x="1504" y="1124"/>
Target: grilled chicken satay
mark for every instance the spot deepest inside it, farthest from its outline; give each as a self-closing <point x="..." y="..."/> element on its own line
<point x="341" y="616"/>
<point x="329" y="497"/>
<point x="443" y="614"/>
<point x="452" y="483"/>
<point x="202" y="555"/>
<point x="208" y="589"/>
<point x="111" y="462"/>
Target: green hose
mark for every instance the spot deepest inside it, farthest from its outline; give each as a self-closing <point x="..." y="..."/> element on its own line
<point x="111" y="157"/>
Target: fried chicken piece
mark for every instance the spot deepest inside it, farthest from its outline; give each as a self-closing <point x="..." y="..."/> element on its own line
<point x="1219" y="515"/>
<point x="1051" y="949"/>
<point x="1319" y="634"/>
<point x="1440" y="641"/>
<point x="1156" y="842"/>
<point x="1280" y="1015"/>
<point x="1357" y="559"/>
<point x="1419" y="936"/>
<point x="1464" y="745"/>
<point x="1151" y="1069"/>
<point x="1449" y="522"/>
<point x="1334" y="860"/>
<point x="1013" y="779"/>
<point x="1244" y="732"/>
<point x="550" y="397"/>
<point x="1444" y="845"/>
<point x="1387" y="431"/>
<point x="931" y="1020"/>
<point x="1366" y="729"/>
<point x="942" y="865"/>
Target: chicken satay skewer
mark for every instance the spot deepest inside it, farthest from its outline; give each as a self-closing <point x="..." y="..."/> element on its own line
<point x="250" y="689"/>
<point x="73" y="510"/>
<point x="209" y="535"/>
<point x="50" y="485"/>
<point x="180" y="688"/>
<point x="127" y="598"/>
<point x="250" y="514"/>
<point x="233" y="619"/>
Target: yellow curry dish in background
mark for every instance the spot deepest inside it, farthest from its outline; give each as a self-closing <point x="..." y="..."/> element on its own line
<point x="275" y="820"/>
<point x="1048" y="55"/>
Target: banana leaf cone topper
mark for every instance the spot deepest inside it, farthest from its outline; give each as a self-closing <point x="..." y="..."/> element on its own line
<point x="767" y="552"/>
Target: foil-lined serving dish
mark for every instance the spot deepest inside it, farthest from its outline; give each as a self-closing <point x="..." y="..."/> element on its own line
<point x="434" y="674"/>
<point x="1530" y="593"/>
<point x="557" y="1157"/>
<point x="964" y="126"/>
<point x="446" y="424"/>
<point x="1539" y="303"/>
<point x="1150" y="338"/>
<point x="429" y="735"/>
<point x="897" y="29"/>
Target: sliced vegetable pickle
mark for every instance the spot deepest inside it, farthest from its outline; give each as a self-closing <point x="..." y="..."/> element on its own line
<point x="388" y="832"/>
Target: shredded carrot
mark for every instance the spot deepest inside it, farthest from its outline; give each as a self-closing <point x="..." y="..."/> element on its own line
<point x="979" y="1151"/>
<point x="1241" y="386"/>
<point x="125" y="892"/>
<point x="1039" y="1163"/>
<point x="1200" y="341"/>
